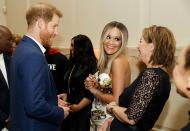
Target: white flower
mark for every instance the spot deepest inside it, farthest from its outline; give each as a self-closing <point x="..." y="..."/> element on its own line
<point x="104" y="80"/>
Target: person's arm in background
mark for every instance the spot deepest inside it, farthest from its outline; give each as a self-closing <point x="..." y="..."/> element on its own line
<point x="83" y="103"/>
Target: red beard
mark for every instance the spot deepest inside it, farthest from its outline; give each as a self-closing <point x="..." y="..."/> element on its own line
<point x="45" y="39"/>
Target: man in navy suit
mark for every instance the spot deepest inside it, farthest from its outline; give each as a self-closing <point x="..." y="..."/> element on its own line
<point x="34" y="103"/>
<point x="5" y="45"/>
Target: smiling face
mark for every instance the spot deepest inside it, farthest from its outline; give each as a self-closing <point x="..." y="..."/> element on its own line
<point x="49" y="30"/>
<point x="145" y="50"/>
<point x="113" y="41"/>
<point x="181" y="75"/>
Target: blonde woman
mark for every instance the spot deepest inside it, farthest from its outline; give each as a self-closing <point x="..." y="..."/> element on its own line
<point x="114" y="66"/>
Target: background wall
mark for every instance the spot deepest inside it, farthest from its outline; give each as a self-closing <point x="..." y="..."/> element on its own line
<point x="2" y="12"/>
<point x="90" y="16"/>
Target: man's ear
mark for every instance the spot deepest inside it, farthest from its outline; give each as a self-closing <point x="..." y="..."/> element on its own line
<point x="40" y="23"/>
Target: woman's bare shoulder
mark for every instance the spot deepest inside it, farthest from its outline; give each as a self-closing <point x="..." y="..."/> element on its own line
<point x="121" y="59"/>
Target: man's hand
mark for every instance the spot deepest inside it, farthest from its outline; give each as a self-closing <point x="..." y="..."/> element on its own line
<point x="66" y="111"/>
<point x="65" y="106"/>
<point x="62" y="96"/>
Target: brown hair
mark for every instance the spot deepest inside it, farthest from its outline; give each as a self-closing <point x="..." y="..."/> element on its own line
<point x="41" y="10"/>
<point x="164" y="45"/>
<point x="187" y="58"/>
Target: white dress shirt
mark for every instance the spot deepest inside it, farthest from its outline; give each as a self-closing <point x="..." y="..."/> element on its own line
<point x="38" y="43"/>
<point x="3" y="68"/>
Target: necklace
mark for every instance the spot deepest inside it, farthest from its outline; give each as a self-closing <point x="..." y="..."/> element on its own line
<point x="69" y="79"/>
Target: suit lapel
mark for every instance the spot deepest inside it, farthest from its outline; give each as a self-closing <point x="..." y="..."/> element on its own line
<point x="7" y="65"/>
<point x="31" y="42"/>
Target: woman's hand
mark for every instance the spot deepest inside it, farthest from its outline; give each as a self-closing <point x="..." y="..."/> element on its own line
<point x="91" y="82"/>
<point x="110" y="106"/>
<point x="106" y="125"/>
<point x="63" y="103"/>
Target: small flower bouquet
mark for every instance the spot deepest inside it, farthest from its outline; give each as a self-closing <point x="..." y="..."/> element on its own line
<point x="104" y="81"/>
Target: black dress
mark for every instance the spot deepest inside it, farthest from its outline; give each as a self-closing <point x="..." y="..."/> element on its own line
<point x="144" y="100"/>
<point x="79" y="121"/>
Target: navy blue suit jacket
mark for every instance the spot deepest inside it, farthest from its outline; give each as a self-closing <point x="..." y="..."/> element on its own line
<point x="33" y="92"/>
<point x="4" y="93"/>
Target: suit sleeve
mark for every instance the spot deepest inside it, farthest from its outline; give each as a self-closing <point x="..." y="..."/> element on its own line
<point x="37" y="93"/>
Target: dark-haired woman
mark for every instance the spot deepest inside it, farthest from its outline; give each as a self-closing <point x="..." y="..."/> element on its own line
<point x="82" y="62"/>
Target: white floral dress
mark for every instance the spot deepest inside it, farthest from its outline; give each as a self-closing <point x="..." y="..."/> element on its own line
<point x="98" y="111"/>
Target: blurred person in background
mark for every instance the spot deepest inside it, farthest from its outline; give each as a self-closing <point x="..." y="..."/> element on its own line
<point x="181" y="77"/>
<point x="6" y="41"/>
